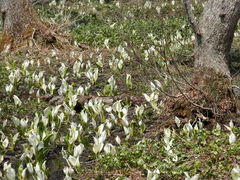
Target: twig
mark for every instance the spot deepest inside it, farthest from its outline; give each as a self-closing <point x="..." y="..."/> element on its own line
<point x="170" y="95"/>
<point x="186" y="81"/>
<point x="33" y="40"/>
<point x="179" y="89"/>
<point x="184" y="95"/>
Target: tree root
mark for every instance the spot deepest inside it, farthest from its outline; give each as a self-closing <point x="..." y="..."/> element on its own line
<point x="217" y="101"/>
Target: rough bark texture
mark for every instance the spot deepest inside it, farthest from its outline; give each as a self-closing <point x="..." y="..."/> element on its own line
<point x="217" y="25"/>
<point x="20" y="22"/>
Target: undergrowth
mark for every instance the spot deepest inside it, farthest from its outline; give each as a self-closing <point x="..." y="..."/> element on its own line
<point x="97" y="111"/>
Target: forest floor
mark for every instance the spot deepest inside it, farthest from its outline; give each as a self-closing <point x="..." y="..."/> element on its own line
<point x="108" y="107"/>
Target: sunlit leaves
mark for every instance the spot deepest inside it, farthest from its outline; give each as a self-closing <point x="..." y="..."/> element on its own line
<point x="111" y="87"/>
<point x="74" y="161"/>
<point x="92" y="75"/>
<point x="195" y="177"/>
<point x="177" y="121"/>
<point x="78" y="150"/>
<point x="129" y="81"/>
<point x="153" y="175"/>
<point x="17" y="101"/>
<point x="235" y="173"/>
<point x="232" y="138"/>
<point x="10" y="172"/>
<point x="63" y="70"/>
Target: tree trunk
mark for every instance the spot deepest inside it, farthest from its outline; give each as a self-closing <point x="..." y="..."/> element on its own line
<point x="216" y="31"/>
<point x="20" y="23"/>
<point x="211" y="93"/>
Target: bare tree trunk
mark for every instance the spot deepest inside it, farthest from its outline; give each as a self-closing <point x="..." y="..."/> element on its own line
<point x="20" y="22"/>
<point x="216" y="27"/>
<point x="212" y="94"/>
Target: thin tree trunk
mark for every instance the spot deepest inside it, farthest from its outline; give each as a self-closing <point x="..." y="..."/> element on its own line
<point x="20" y="22"/>
<point x="216" y="27"/>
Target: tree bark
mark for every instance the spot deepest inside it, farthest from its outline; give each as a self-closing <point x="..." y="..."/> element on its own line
<point x="216" y="27"/>
<point x="20" y="22"/>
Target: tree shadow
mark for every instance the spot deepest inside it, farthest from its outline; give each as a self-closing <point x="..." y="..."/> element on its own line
<point x="235" y="62"/>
